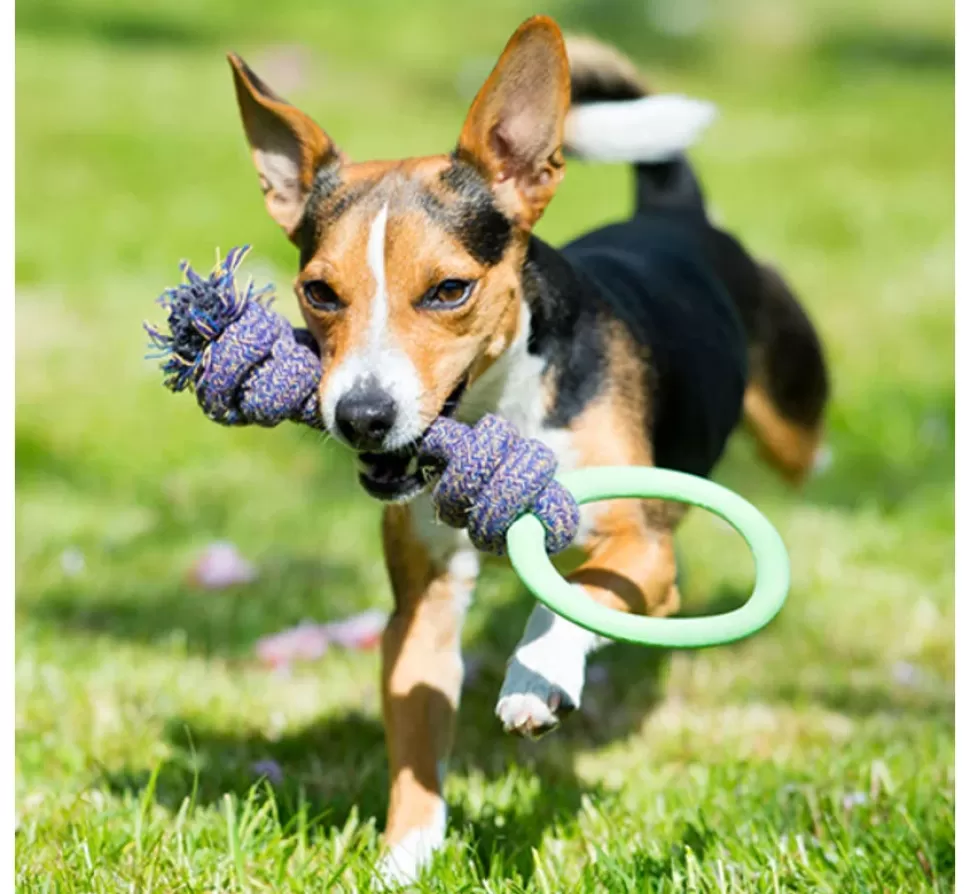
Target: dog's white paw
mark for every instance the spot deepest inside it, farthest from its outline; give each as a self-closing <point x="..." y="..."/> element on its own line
<point x="533" y="714"/>
<point x="402" y="864"/>
<point x="544" y="680"/>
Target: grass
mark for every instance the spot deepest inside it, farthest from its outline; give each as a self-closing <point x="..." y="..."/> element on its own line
<point x="818" y="756"/>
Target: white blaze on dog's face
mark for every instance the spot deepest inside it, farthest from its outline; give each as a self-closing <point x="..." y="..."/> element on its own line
<point x="410" y="270"/>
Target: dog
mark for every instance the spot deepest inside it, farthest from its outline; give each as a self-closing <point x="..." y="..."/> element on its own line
<point x="645" y="342"/>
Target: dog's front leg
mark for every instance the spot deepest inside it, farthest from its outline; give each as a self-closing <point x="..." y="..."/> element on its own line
<point x="422" y="675"/>
<point x="631" y="567"/>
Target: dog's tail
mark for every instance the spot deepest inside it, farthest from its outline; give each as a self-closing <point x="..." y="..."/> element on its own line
<point x="615" y="118"/>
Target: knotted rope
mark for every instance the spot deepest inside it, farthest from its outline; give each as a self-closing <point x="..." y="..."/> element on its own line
<point x="248" y="366"/>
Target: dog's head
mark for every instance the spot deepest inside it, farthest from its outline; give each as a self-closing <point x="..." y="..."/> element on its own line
<point x="410" y="270"/>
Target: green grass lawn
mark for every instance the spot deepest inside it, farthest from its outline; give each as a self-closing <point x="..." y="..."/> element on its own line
<point x="818" y="756"/>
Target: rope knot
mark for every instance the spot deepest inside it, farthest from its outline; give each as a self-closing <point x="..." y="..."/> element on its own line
<point x="492" y="476"/>
<point x="244" y="361"/>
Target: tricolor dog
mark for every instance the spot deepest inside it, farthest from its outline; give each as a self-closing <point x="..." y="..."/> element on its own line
<point x="644" y="342"/>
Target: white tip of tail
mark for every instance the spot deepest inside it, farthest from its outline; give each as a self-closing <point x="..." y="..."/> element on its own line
<point x="651" y="129"/>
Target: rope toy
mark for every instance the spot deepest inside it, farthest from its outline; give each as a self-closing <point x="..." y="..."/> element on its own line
<point x="248" y="366"/>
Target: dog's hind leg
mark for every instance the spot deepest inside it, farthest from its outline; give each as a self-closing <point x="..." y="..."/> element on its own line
<point x="788" y="383"/>
<point x="788" y="386"/>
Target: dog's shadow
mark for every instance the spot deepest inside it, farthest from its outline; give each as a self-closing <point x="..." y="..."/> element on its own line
<point x="336" y="768"/>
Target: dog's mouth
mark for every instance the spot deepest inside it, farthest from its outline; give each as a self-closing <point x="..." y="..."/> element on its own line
<point x="397" y="476"/>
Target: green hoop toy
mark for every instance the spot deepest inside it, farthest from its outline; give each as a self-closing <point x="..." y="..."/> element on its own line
<point x="527" y="554"/>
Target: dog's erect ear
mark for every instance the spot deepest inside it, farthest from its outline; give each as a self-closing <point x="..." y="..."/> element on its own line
<point x="288" y="147"/>
<point x="514" y="130"/>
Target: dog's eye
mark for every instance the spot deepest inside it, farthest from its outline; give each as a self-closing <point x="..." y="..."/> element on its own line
<point x="320" y="296"/>
<point x="448" y="294"/>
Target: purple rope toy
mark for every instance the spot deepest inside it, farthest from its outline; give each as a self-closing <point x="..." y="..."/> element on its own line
<point x="248" y="366"/>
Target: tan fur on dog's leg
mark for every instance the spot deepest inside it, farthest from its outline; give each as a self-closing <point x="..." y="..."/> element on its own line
<point x="791" y="448"/>
<point x="631" y="566"/>
<point x="422" y="675"/>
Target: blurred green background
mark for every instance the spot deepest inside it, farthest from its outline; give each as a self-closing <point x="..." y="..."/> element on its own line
<point x="817" y="756"/>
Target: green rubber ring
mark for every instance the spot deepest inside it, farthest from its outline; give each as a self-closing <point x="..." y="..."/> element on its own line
<point x="526" y="549"/>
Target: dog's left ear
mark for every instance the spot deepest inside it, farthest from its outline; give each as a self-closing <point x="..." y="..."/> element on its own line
<point x="514" y="130"/>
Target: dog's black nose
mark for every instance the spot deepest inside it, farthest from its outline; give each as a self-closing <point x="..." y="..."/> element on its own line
<point x="364" y="415"/>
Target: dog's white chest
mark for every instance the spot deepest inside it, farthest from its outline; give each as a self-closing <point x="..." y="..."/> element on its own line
<point x="513" y="389"/>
